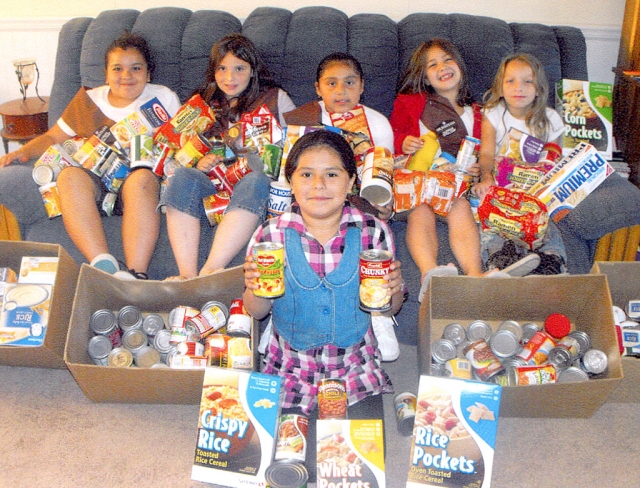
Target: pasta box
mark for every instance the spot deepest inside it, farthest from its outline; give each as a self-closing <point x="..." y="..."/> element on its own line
<point x="583" y="299"/>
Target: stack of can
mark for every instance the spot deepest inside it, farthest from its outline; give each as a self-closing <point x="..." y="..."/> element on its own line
<point x="515" y="354"/>
<point x="288" y="469"/>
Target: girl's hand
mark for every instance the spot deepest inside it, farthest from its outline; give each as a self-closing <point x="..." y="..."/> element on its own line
<point x="411" y="144"/>
<point x="481" y="188"/>
<point x="384" y="211"/>
<point x="16" y="155"/>
<point x="251" y="273"/>
<point x="394" y="279"/>
<point x="474" y="170"/>
<point x="208" y="162"/>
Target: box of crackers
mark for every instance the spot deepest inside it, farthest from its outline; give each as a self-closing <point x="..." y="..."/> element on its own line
<point x="587" y="111"/>
<point x="454" y="433"/>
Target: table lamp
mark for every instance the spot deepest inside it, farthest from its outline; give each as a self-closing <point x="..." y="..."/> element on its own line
<point x="27" y="71"/>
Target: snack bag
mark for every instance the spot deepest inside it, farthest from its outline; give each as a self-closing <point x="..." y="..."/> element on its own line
<point x="439" y="191"/>
<point x="521" y="147"/>
<point x="194" y="117"/>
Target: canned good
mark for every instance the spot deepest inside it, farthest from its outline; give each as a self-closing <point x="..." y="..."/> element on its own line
<point x="51" y="199"/>
<point x="528" y="329"/>
<point x="216" y="349"/>
<point x="468" y="153"/>
<point x="216" y="175"/>
<point x="512" y="326"/>
<point x="442" y="350"/>
<point x="458" y="368"/>
<point x="130" y="317"/>
<point x="218" y="146"/>
<point x="504" y="343"/>
<point x="550" y="154"/>
<point x="513" y="362"/>
<point x="374" y="265"/>
<point x="239" y="354"/>
<point x="572" y="375"/>
<point x="239" y="322"/>
<point x="269" y="256"/>
<point x="537" y="374"/>
<point x="583" y="339"/>
<point x="332" y="399"/>
<point x="479" y="329"/>
<point x="212" y="317"/>
<point x="108" y="204"/>
<point x="152" y="324"/>
<point x="141" y="151"/>
<point x="237" y="171"/>
<point x="134" y="340"/>
<point x="291" y="443"/>
<point x="179" y="315"/>
<point x="162" y="341"/>
<point x="405" y="405"/>
<point x="455" y="333"/>
<point x="279" y="198"/>
<point x="215" y="205"/>
<point x="191" y="348"/>
<point x="536" y="350"/>
<point x="484" y="362"/>
<point x="594" y="361"/>
<point x="147" y="357"/>
<point x="461" y="347"/>
<point x="567" y="350"/>
<point x="120" y="357"/>
<point x="43" y="174"/>
<point x="192" y="151"/>
<point x="104" y="322"/>
<point x="437" y="369"/>
<point x="99" y="348"/>
<point x="286" y="474"/>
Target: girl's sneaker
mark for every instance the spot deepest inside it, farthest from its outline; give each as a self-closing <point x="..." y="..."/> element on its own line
<point x="383" y="329"/>
<point x="106" y="262"/>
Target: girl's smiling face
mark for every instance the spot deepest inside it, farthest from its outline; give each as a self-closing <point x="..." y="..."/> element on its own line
<point x="442" y="72"/>
<point x="519" y="87"/>
<point x="340" y="87"/>
<point x="233" y="76"/>
<point x="320" y="183"/>
<point x="127" y="75"/>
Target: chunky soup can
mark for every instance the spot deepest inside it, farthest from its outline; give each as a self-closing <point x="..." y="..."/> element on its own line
<point x="269" y="256"/>
<point x="374" y="265"/>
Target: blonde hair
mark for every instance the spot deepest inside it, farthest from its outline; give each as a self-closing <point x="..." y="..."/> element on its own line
<point x="536" y="117"/>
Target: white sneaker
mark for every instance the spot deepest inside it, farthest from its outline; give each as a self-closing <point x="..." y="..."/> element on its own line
<point x="106" y="263"/>
<point x="383" y="329"/>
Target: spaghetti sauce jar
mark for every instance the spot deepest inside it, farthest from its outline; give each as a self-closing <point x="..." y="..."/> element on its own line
<point x="374" y="265"/>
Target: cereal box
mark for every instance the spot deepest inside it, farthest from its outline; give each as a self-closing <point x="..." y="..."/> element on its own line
<point x="350" y="453"/>
<point x="24" y="314"/>
<point x="237" y="424"/>
<point x="454" y="433"/>
<point x="571" y="180"/>
<point x="587" y="111"/>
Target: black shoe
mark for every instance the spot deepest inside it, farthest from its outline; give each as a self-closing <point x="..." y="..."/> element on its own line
<point x="550" y="264"/>
<point x="509" y="254"/>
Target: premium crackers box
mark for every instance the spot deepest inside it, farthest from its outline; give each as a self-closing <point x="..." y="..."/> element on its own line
<point x="587" y="111"/>
<point x="350" y="453"/>
<point x="454" y="433"/>
<point x="236" y="427"/>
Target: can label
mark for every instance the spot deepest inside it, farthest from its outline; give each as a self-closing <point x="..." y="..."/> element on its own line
<point x="405" y="404"/>
<point x="194" y="149"/>
<point x="141" y="151"/>
<point x="550" y="153"/>
<point x="536" y="350"/>
<point x="332" y="399"/>
<point x="269" y="257"/>
<point x="237" y="171"/>
<point x="468" y="153"/>
<point x="191" y="348"/>
<point x="374" y="265"/>
<point x="292" y="438"/>
<point x="484" y="362"/>
<point x="239" y="323"/>
<point x="51" y="199"/>
<point x="216" y="349"/>
<point x="537" y="374"/>
<point x="279" y="199"/>
<point x="215" y="205"/>
<point x="239" y="353"/>
<point x="217" y="177"/>
<point x="458" y="368"/>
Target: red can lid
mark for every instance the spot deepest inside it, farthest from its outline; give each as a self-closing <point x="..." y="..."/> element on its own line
<point x="557" y="325"/>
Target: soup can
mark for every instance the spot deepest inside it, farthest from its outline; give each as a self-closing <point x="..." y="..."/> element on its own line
<point x="212" y="317"/>
<point x="458" y="368"/>
<point x="374" y="265"/>
<point x="594" y="361"/>
<point x="105" y="322"/>
<point x="269" y="256"/>
<point x="291" y="443"/>
<point x="279" y="198"/>
<point x="442" y="350"/>
<point x="550" y="154"/>
<point x="135" y="340"/>
<point x="479" y="329"/>
<point x="237" y="171"/>
<point x="511" y="326"/>
<point x="572" y="375"/>
<point x="405" y="405"/>
<point x="286" y="474"/>
<point x="51" y="199"/>
<point x="215" y="205"/>
<point x="239" y="322"/>
<point x="120" y="357"/>
<point x="455" y="333"/>
<point x="216" y="349"/>
<point x="484" y="362"/>
<point x="332" y="399"/>
<point x="99" y="348"/>
<point x="147" y="357"/>
<point x="528" y="329"/>
<point x="536" y="350"/>
<point x="130" y="317"/>
<point x="193" y="150"/>
<point x="152" y="324"/>
<point x="43" y="174"/>
<point x="504" y="343"/>
<point x="217" y="177"/>
<point x="536" y="374"/>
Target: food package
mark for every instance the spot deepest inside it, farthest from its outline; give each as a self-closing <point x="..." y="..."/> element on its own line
<point x="521" y="147"/>
<point x="194" y="117"/>
<point x="513" y="174"/>
<point x="356" y="129"/>
<point x="132" y="125"/>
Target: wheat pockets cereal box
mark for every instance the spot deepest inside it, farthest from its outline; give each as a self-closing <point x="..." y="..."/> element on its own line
<point x="587" y="111"/>
<point x="237" y="424"/>
<point x="454" y="433"/>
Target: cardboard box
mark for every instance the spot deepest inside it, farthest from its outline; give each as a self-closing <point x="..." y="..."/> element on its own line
<point x="587" y="111"/>
<point x="583" y="298"/>
<point x="624" y="285"/>
<point x="51" y="353"/>
<point x="97" y="290"/>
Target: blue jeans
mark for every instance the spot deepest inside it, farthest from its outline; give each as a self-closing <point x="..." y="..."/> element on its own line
<point x="188" y="186"/>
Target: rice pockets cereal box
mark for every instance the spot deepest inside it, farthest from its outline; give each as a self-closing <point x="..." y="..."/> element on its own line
<point x="587" y="111"/>
<point x="454" y="434"/>
<point x="237" y="424"/>
<point x="350" y="453"/>
<point x="24" y="314"/>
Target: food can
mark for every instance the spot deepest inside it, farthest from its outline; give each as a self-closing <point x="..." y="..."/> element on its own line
<point x="191" y="348"/>
<point x="216" y="349"/>
<point x="105" y="322"/>
<point x="192" y="151"/>
<point x="239" y="322"/>
<point x="218" y="147"/>
<point x="479" y="329"/>
<point x="130" y="317"/>
<point x="583" y="339"/>
<point x="468" y="153"/>
<point x="99" y="348"/>
<point x="572" y="375"/>
<point x="51" y="199"/>
<point x="216" y="175"/>
<point x="455" y="333"/>
<point x="461" y="347"/>
<point x="134" y="340"/>
<point x="484" y="362"/>
<point x="442" y="350"/>
<point x="536" y="350"/>
<point x="108" y="203"/>
<point x="528" y="329"/>
<point x="178" y="316"/>
<point x="437" y="369"/>
<point x="279" y="198"/>
<point x="269" y="256"/>
<point x="120" y="357"/>
<point x="215" y="205"/>
<point x="272" y="160"/>
<point x="567" y="350"/>
<point x="594" y="361"/>
<point x="550" y="154"/>
<point x="141" y="151"/>
<point x="513" y="362"/>
<point x="239" y="354"/>
<point x="286" y="474"/>
<point x="212" y="317"/>
<point x="332" y="399"/>
<point x="237" y="171"/>
<point x="374" y="265"/>
<point x="162" y="341"/>
<point x="504" y="343"/>
<point x="291" y="443"/>
<point x="458" y="368"/>
<point x="513" y="327"/>
<point x="537" y="374"/>
<point x="147" y="357"/>
<point x="405" y="405"/>
<point x="43" y="174"/>
<point x="152" y="324"/>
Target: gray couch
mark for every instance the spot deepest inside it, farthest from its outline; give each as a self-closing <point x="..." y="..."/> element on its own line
<point x="292" y="43"/>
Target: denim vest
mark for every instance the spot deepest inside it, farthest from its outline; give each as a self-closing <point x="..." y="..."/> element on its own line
<point x="317" y="311"/>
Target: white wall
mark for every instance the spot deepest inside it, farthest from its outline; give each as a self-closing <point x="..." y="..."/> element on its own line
<point x="29" y="28"/>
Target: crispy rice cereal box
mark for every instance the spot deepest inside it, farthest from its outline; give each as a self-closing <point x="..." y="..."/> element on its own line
<point x="587" y="111"/>
<point x="237" y="424"/>
<point x="454" y="433"/>
<point x="350" y="453"/>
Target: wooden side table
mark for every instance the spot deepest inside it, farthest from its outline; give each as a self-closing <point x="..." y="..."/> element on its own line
<point x="23" y="120"/>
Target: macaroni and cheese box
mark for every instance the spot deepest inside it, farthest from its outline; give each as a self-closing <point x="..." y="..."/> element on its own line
<point x="454" y="433"/>
<point x="587" y="111"/>
<point x="350" y="453"/>
<point x="236" y="427"/>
